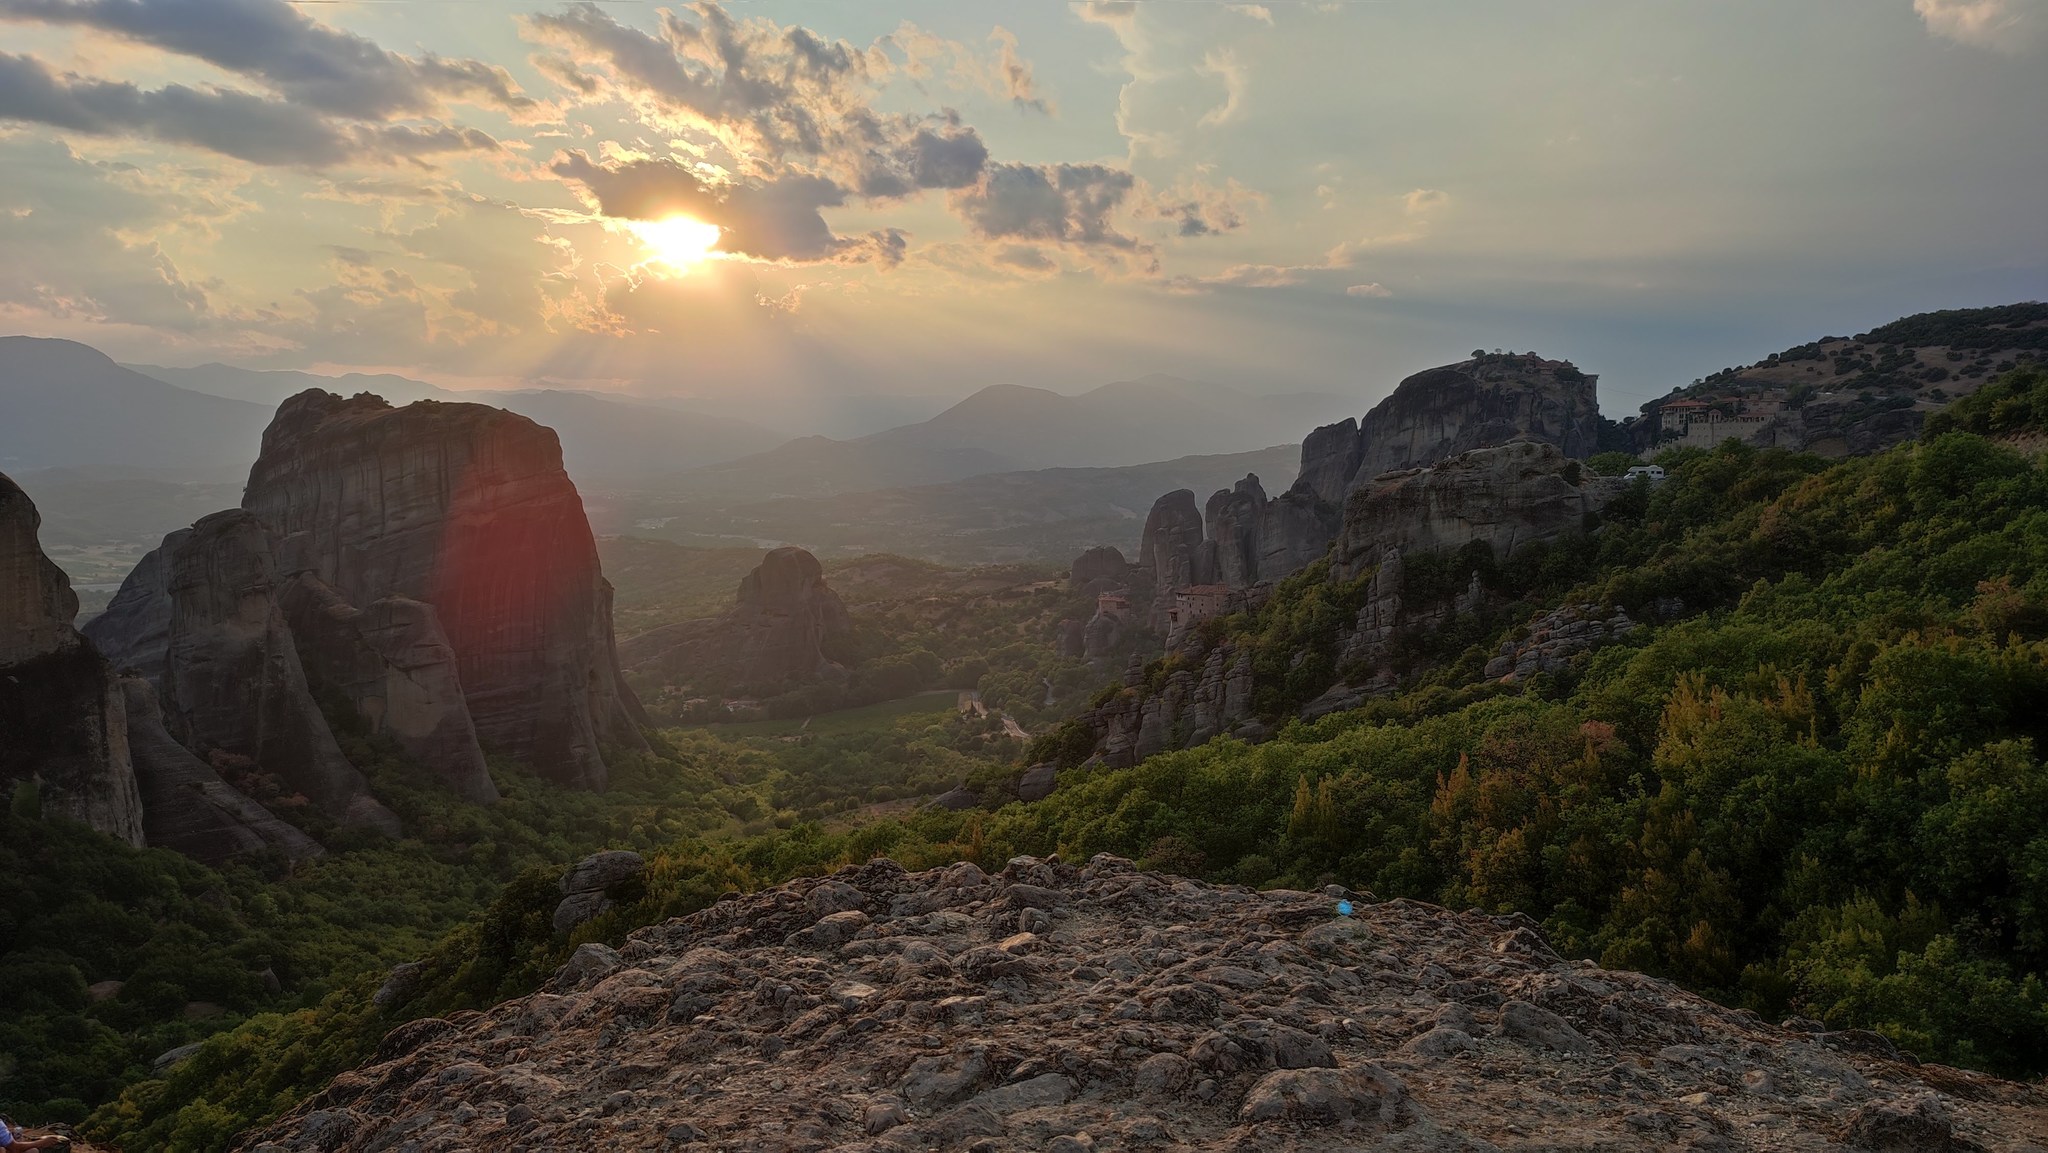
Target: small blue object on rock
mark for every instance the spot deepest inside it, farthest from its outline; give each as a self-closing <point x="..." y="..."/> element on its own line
<point x="1343" y="908"/>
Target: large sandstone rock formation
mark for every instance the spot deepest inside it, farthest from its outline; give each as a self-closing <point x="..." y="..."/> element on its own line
<point x="1507" y="496"/>
<point x="467" y="509"/>
<point x="782" y="630"/>
<point x="199" y="623"/>
<point x="1171" y="545"/>
<point x="62" y="719"/>
<point x="232" y="680"/>
<point x="1063" y="1008"/>
<point x="1430" y="417"/>
<point x="1441" y="412"/>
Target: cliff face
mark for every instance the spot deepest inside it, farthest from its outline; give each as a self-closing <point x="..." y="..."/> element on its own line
<point x="62" y="720"/>
<point x="1196" y="704"/>
<point x="784" y="623"/>
<point x="393" y="662"/>
<point x="1072" y="1008"/>
<point x="185" y="804"/>
<point x="1171" y="549"/>
<point x="233" y="683"/>
<point x="1441" y="412"/>
<point x="1249" y="539"/>
<point x="465" y="508"/>
<point x="1507" y="496"/>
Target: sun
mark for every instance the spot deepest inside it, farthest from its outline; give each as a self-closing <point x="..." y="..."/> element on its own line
<point x="676" y="243"/>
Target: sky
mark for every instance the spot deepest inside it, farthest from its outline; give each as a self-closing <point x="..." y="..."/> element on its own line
<point x="778" y="198"/>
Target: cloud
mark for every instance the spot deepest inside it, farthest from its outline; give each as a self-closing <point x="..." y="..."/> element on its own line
<point x="304" y="61"/>
<point x="1027" y="259"/>
<point x="1425" y="200"/>
<point x="1057" y="203"/>
<point x="1199" y="209"/>
<point x="2011" y="27"/>
<point x="779" y="219"/>
<point x="1014" y="73"/>
<point x="775" y="98"/>
<point x="1117" y="15"/>
<point x="237" y="124"/>
<point x="1223" y="64"/>
<point x="1258" y="12"/>
<point x="1375" y="289"/>
<point x="85" y="243"/>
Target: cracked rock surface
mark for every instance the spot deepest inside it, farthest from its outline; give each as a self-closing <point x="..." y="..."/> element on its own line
<point x="1099" y="1008"/>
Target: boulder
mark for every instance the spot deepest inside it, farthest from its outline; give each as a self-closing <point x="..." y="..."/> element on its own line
<point x="588" y="886"/>
<point x="1037" y="782"/>
<point x="63" y="721"/>
<point x="466" y="508"/>
<point x="600" y="871"/>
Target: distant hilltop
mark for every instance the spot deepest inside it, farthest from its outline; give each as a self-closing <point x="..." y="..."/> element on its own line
<point x="1846" y="396"/>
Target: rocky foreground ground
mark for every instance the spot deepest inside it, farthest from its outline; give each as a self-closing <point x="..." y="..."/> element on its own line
<point x="1074" y="1008"/>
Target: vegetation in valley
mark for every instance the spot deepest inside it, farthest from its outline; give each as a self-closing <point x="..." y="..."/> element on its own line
<point x="918" y="627"/>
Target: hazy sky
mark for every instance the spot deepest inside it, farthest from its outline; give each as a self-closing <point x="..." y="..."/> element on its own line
<point x="929" y="197"/>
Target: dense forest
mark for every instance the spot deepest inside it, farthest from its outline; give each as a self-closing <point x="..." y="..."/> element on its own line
<point x="1816" y="791"/>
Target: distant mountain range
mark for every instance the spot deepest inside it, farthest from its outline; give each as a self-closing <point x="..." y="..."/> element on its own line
<point x="1012" y="428"/>
<point x="605" y="438"/>
<point x="121" y="454"/>
<point x="67" y="405"/>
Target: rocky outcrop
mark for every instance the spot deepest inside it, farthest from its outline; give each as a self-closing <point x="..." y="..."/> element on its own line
<point x="1555" y="637"/>
<point x="1172" y="550"/>
<point x="1329" y="459"/>
<point x="1234" y="522"/>
<point x="782" y="631"/>
<point x="1434" y="415"/>
<point x="1442" y="412"/>
<point x="466" y="508"/>
<point x="1102" y="563"/>
<point x="1038" y="782"/>
<point x="63" y="723"/>
<point x="1068" y="1008"/>
<point x="588" y="889"/>
<point x="1507" y="497"/>
<point x="1208" y="696"/>
<point x="185" y="804"/>
<point x="395" y="665"/>
<point x="232" y="681"/>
